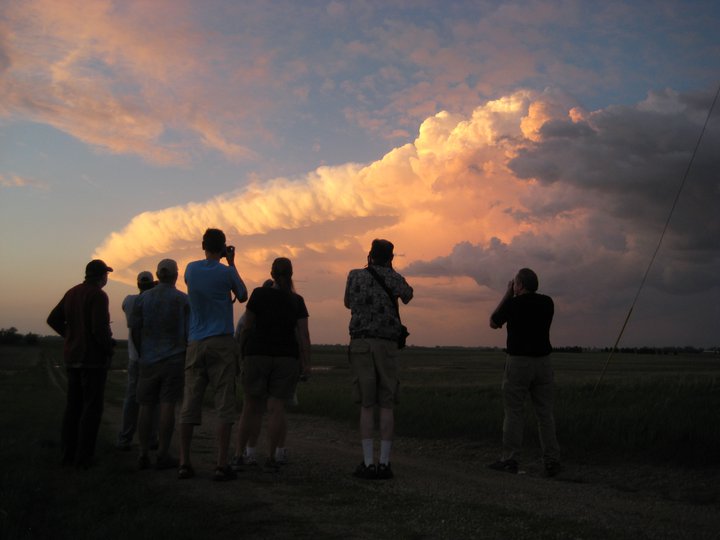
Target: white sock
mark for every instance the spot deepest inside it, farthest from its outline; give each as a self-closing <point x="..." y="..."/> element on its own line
<point x="368" y="452"/>
<point x="385" y="447"/>
<point x="249" y="451"/>
<point x="280" y="454"/>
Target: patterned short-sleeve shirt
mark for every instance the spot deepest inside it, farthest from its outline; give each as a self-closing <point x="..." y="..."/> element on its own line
<point x="372" y="312"/>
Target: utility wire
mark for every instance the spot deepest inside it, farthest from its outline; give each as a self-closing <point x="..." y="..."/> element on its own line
<point x="662" y="236"/>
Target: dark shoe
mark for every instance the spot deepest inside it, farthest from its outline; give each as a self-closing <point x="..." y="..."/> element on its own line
<point x="552" y="469"/>
<point x="143" y="462"/>
<point x="236" y="464"/>
<point x="124" y="446"/>
<point x="505" y="465"/>
<point x="223" y="474"/>
<point x="366" y="472"/>
<point x="165" y="462"/>
<point x="154" y="445"/>
<point x="271" y="465"/>
<point x="384" y="472"/>
<point x="185" y="472"/>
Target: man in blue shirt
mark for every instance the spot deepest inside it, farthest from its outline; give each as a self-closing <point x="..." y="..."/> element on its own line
<point x="212" y="354"/>
<point x="160" y="322"/>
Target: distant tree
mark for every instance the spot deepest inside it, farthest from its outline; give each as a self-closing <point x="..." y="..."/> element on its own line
<point x="9" y="336"/>
<point x="31" y="339"/>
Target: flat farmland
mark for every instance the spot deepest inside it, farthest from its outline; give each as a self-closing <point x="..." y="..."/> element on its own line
<point x="640" y="457"/>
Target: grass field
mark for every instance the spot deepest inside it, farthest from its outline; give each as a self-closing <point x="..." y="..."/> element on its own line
<point x="657" y="408"/>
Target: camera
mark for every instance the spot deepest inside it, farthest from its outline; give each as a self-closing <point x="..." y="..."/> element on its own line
<point x="228" y="250"/>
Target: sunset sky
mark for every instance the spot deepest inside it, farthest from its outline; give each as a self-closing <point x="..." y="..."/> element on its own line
<point x="479" y="137"/>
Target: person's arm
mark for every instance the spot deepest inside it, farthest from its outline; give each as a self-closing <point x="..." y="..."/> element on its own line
<point x="248" y="326"/>
<point x="495" y="322"/>
<point x="237" y="285"/>
<point x="302" y="331"/>
<point x="348" y="285"/>
<point x="406" y="291"/>
<point x="100" y="322"/>
<point x="56" y="319"/>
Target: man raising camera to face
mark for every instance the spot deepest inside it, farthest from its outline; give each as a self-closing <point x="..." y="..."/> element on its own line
<point x="212" y="351"/>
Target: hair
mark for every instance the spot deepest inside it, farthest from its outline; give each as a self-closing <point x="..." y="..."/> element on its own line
<point x="528" y="278"/>
<point x="213" y="240"/>
<point x="281" y="273"/>
<point x="381" y="251"/>
<point x="145" y="285"/>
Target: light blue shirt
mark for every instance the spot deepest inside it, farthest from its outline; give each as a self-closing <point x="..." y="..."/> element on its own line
<point x="210" y="284"/>
<point x="162" y="315"/>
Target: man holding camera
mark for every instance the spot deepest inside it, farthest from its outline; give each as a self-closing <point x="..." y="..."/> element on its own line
<point x="528" y="369"/>
<point x="212" y="352"/>
<point x="372" y="295"/>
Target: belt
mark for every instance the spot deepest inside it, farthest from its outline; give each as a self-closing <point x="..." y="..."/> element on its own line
<point x="366" y="335"/>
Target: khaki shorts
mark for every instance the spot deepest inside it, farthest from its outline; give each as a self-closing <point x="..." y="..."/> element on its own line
<point x="161" y="382"/>
<point x="374" y="364"/>
<point x="210" y="361"/>
<point x="273" y="376"/>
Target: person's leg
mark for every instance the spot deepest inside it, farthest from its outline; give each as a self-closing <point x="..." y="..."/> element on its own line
<point x="186" y="435"/>
<point x="365" y="394"/>
<point x="250" y="423"/>
<point x="221" y="359"/>
<point x="514" y="390"/>
<point x="71" y="418"/>
<point x="542" y="393"/>
<point x="277" y="424"/>
<point x="387" y="431"/>
<point x="367" y="424"/>
<point x="144" y="426"/>
<point x="130" y="407"/>
<point x="93" y="383"/>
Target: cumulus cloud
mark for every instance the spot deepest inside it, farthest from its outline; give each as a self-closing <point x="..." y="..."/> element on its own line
<point x="525" y="180"/>
<point x="15" y="181"/>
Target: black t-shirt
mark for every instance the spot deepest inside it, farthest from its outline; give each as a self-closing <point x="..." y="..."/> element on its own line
<point x="528" y="319"/>
<point x="276" y="315"/>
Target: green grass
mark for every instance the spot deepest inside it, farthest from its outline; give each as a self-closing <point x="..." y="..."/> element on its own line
<point x="659" y="407"/>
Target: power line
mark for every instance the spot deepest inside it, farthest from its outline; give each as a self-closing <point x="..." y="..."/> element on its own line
<point x="662" y="236"/>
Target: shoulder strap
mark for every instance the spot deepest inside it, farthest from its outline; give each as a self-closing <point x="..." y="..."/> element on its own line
<point x="381" y="282"/>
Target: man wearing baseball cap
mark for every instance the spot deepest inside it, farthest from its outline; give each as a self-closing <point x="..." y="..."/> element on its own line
<point x="82" y="318"/>
<point x="145" y="282"/>
<point x="160" y="325"/>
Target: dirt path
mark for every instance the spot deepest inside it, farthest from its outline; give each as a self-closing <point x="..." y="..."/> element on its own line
<point x="441" y="490"/>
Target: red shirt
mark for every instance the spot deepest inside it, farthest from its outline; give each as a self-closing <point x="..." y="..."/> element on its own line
<point x="83" y="318"/>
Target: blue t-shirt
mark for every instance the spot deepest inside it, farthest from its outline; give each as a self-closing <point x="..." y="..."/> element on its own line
<point x="210" y="285"/>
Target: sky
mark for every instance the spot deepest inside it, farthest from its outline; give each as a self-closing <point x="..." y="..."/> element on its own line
<point x="479" y="137"/>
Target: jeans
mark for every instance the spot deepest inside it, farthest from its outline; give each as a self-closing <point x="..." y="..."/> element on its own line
<point x="529" y="375"/>
<point x="83" y="412"/>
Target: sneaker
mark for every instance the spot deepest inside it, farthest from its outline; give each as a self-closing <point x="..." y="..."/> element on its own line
<point x="366" y="472"/>
<point x="143" y="462"/>
<point x="281" y="457"/>
<point x="223" y="474"/>
<point x="185" y="471"/>
<point x="552" y="468"/>
<point x="505" y="465"/>
<point x="384" y="471"/>
<point x="124" y="446"/>
<point x="165" y="462"/>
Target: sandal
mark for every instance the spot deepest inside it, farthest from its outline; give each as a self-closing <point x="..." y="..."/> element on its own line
<point x="223" y="474"/>
<point x="185" y="471"/>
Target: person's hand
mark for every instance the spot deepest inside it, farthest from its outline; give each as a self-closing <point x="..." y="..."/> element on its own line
<point x="230" y="255"/>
